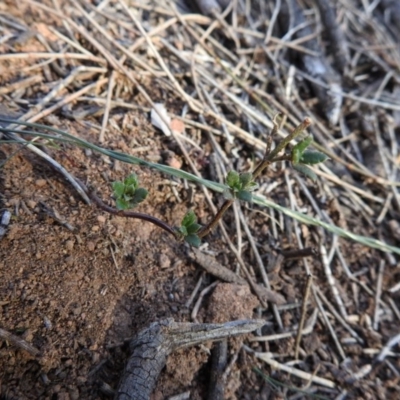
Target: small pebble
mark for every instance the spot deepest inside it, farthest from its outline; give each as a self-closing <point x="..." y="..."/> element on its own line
<point x="174" y="162"/>
<point x="40" y="182"/>
<point x="31" y="203"/>
<point x="69" y="260"/>
<point x="91" y="246"/>
<point x="165" y="261"/>
<point x="101" y="219"/>
<point x="69" y="244"/>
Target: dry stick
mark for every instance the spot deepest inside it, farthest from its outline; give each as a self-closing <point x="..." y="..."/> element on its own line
<point x="328" y="324"/>
<point x="67" y="56"/>
<point x="219" y="355"/>
<point x="120" y="103"/>
<point x="293" y="371"/>
<point x="300" y="253"/>
<point x="23" y="344"/>
<point x="215" y="220"/>
<point x="331" y="281"/>
<point x="197" y="305"/>
<point x="339" y="317"/>
<point x="111" y="83"/>
<point x="261" y="267"/>
<point x="378" y="294"/>
<point x="303" y="315"/>
<point x="279" y="336"/>
<point x="211" y="266"/>
<point x="387" y="348"/>
<point x="214" y="268"/>
<point x="21" y="84"/>
<point x="151" y="347"/>
<point x="195" y="290"/>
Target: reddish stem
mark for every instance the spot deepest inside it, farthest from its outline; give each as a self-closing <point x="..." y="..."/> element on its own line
<point x="128" y="214"/>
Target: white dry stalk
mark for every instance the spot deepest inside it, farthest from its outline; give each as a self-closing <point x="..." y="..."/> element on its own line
<point x="378" y="294"/>
<point x="338" y="317"/>
<point x="331" y="281"/>
<point x="294" y="371"/>
<point x="279" y="336"/>
<point x="328" y="324"/>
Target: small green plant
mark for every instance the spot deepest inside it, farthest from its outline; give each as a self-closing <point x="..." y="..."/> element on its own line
<point x="128" y="194"/>
<point x="189" y="229"/>
<point x="301" y="157"/>
<point x="239" y="186"/>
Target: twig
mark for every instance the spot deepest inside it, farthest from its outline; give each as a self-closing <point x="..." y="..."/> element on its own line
<point x="213" y="267"/>
<point x="329" y="325"/>
<point x="216" y="386"/>
<point x="387" y="348"/>
<point x="378" y="294"/>
<point x="303" y="315"/>
<point x="331" y="281"/>
<point x="152" y="346"/>
<point x="196" y="307"/>
<point x="339" y="317"/>
<point x="15" y="340"/>
<point x="279" y="336"/>
<point x="293" y="371"/>
<point x="128" y="214"/>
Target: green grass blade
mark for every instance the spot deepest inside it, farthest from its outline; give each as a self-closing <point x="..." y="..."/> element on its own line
<point x="217" y="187"/>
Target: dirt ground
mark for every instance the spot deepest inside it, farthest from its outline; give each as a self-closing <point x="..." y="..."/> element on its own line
<point x="76" y="282"/>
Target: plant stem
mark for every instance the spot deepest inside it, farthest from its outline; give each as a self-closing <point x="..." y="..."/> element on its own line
<point x="269" y="157"/>
<point x="213" y="223"/>
<point x="129" y="214"/>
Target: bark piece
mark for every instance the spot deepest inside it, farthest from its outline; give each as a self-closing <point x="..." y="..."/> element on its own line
<point x="152" y="346"/>
<point x="213" y="267"/>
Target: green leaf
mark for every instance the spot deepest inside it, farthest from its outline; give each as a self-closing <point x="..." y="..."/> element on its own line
<point x="140" y="195"/>
<point x="303" y="144"/>
<point x="118" y="188"/>
<point x="122" y="204"/>
<point x="299" y="148"/>
<point x="312" y="157"/>
<point x="183" y="231"/>
<point x="233" y="180"/>
<point x="245" y="179"/>
<point x="194" y="228"/>
<point x="193" y="240"/>
<point x="132" y="180"/>
<point x="244" y="195"/>
<point x="303" y="169"/>
<point x="189" y="219"/>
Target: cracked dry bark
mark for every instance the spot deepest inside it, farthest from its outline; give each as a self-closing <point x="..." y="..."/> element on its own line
<point x="151" y="347"/>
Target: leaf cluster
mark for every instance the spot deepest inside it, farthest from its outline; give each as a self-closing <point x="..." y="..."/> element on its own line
<point x="240" y="186"/>
<point x="128" y="194"/>
<point x="301" y="157"/>
<point x="189" y="228"/>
